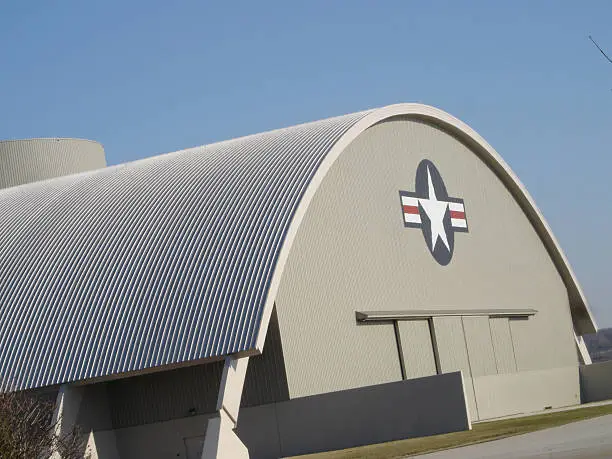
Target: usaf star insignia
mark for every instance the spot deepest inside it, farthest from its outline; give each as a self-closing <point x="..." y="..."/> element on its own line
<point x="431" y="209"/>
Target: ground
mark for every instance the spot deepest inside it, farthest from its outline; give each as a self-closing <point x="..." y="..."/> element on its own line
<point x="588" y="439"/>
<point x="493" y="430"/>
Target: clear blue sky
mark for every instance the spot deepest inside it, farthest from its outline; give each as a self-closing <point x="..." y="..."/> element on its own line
<point x="146" y="77"/>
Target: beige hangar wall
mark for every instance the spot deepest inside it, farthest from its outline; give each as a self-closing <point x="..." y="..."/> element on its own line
<point x="31" y="160"/>
<point x="353" y="253"/>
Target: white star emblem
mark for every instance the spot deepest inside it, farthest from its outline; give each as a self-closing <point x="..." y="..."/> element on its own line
<point x="435" y="210"/>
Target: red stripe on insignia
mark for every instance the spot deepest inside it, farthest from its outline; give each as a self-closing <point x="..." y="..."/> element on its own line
<point x="458" y="215"/>
<point x="411" y="209"/>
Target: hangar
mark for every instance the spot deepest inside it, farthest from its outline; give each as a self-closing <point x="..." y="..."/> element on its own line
<point x="373" y="276"/>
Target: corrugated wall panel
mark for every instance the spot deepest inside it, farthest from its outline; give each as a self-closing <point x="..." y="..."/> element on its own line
<point x="164" y="395"/>
<point x="32" y="160"/>
<point x="502" y="344"/>
<point x="155" y="262"/>
<point x="479" y="346"/>
<point x="266" y="379"/>
<point x="417" y="348"/>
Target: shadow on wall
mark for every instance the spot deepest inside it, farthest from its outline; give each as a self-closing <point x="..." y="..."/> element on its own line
<point x="344" y="419"/>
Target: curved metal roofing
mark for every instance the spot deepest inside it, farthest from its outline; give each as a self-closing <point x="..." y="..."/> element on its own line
<point x="173" y="258"/>
<point x="153" y="262"/>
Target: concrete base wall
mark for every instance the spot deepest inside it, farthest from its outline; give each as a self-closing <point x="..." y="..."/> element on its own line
<point x="596" y="382"/>
<point x="374" y="414"/>
<point x="525" y="392"/>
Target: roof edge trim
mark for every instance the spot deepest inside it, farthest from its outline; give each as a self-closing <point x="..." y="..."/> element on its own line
<point x="582" y="317"/>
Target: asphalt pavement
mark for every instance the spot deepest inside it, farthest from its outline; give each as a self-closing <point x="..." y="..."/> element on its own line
<point x="589" y="439"/>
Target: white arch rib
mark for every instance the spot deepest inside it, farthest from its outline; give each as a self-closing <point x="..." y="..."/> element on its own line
<point x="581" y="315"/>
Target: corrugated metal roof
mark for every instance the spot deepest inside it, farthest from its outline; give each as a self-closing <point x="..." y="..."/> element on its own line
<point x="155" y="262"/>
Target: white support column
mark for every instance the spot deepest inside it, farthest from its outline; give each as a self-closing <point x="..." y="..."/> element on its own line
<point x="66" y="411"/>
<point x="582" y="349"/>
<point x="221" y="441"/>
<point x="100" y="444"/>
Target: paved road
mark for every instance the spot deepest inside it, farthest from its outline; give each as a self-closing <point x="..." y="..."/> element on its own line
<point x="590" y="439"/>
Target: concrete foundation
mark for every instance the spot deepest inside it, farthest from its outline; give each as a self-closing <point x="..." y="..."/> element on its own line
<point x="526" y="392"/>
<point x="374" y="414"/>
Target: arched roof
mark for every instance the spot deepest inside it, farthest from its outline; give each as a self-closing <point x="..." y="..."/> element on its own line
<point x="178" y="257"/>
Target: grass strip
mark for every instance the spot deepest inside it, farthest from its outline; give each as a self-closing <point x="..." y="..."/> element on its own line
<point x="481" y="432"/>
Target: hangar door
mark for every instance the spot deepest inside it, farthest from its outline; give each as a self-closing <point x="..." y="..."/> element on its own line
<point x="481" y="345"/>
<point x="478" y="343"/>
